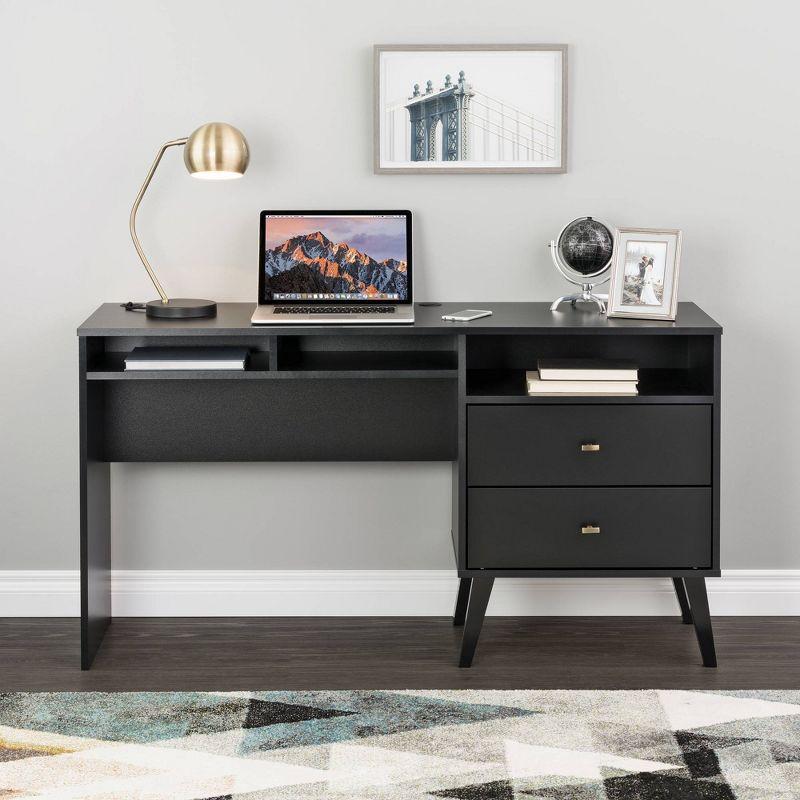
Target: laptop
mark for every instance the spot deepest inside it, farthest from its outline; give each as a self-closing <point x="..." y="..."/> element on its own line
<point x="323" y="267"/>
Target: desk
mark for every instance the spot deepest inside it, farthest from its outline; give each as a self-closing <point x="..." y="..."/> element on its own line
<point x="439" y="391"/>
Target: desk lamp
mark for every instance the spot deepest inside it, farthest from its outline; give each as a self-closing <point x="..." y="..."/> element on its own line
<point x="215" y="151"/>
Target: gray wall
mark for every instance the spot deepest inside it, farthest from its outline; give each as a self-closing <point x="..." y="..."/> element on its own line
<point x="682" y="114"/>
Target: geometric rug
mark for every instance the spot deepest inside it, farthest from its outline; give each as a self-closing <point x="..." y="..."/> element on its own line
<point x="393" y="745"/>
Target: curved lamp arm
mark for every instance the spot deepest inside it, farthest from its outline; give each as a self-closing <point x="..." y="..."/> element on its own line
<point x="136" y="203"/>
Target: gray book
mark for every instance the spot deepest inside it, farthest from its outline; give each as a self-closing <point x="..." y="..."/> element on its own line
<point x="187" y="358"/>
<point x="537" y="386"/>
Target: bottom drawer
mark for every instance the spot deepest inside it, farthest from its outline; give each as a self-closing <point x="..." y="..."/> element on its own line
<point x="589" y="528"/>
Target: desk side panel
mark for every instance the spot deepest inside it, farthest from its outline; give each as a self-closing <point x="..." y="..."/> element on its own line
<point x="95" y="510"/>
<point x="717" y="448"/>
<point x="459" y="520"/>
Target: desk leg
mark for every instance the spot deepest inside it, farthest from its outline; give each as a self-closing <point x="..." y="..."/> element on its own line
<point x="683" y="600"/>
<point x="460" y="613"/>
<point x="476" y="610"/>
<point x="95" y="517"/>
<point x="696" y="589"/>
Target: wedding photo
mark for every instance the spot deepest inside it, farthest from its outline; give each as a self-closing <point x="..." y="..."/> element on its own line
<point x="644" y="273"/>
<point x="645" y="263"/>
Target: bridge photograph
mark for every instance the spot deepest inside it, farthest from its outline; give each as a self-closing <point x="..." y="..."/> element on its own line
<point x="450" y="109"/>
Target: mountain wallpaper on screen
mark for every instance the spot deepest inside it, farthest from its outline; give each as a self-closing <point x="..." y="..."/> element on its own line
<point x="313" y="263"/>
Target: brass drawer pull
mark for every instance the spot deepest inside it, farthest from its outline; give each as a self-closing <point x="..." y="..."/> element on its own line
<point x="590" y="529"/>
<point x="590" y="448"/>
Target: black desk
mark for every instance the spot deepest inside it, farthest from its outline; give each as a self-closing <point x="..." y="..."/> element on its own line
<point x="523" y="488"/>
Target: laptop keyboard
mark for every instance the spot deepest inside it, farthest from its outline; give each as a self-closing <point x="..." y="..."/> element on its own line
<point x="334" y="310"/>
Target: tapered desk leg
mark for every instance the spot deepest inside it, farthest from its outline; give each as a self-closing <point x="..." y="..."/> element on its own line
<point x="95" y="515"/>
<point x="460" y="613"/>
<point x="476" y="610"/>
<point x="698" y="599"/>
<point x="683" y="600"/>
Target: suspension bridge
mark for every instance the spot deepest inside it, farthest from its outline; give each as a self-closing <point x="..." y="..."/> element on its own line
<point x="458" y="123"/>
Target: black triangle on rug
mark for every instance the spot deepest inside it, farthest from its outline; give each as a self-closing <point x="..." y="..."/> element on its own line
<point x="665" y="787"/>
<point x="261" y="713"/>
<point x="494" y="790"/>
<point x="699" y="751"/>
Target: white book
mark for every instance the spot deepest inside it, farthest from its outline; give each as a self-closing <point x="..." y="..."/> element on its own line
<point x="185" y="365"/>
<point x="178" y="358"/>
<point x="538" y="386"/>
<point x="586" y="369"/>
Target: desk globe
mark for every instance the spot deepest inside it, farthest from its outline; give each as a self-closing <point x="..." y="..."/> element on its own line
<point x="582" y="254"/>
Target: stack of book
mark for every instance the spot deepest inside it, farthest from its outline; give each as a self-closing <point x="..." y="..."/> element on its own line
<point x="573" y="376"/>
<point x="198" y="358"/>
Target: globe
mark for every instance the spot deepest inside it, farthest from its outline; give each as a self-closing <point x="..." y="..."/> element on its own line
<point x="585" y="246"/>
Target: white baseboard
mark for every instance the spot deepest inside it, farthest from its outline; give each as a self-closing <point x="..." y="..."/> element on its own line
<point x="224" y="593"/>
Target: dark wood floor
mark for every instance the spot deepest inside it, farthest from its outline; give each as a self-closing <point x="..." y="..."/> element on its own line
<point x="341" y="653"/>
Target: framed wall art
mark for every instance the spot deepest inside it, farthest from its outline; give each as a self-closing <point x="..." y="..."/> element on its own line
<point x="470" y="108"/>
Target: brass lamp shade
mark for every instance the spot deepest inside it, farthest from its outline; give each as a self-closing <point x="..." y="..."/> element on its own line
<point x="216" y="151"/>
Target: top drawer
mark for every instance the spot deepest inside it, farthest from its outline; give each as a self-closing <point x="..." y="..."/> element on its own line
<point x="592" y="445"/>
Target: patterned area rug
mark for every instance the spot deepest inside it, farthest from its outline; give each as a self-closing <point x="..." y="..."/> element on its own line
<point x="387" y="745"/>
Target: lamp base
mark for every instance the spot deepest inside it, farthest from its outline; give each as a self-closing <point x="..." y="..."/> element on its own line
<point x="181" y="308"/>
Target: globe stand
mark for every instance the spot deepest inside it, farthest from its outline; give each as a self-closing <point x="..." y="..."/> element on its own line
<point x="586" y="296"/>
<point x="587" y="279"/>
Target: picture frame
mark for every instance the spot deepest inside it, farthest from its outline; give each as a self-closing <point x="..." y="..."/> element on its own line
<point x="644" y="273"/>
<point x="493" y="109"/>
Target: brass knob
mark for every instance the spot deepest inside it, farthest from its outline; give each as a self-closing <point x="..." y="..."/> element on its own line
<point x="590" y="529"/>
<point x="590" y="448"/>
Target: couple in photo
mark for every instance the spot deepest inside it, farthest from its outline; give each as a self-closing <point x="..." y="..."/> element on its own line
<point x="647" y="292"/>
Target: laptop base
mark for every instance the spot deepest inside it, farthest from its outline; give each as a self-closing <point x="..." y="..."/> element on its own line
<point x="266" y="315"/>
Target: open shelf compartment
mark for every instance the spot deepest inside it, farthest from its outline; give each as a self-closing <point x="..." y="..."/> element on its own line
<point x="107" y="358"/>
<point x="293" y="356"/>
<point x="677" y="369"/>
<point x="389" y="356"/>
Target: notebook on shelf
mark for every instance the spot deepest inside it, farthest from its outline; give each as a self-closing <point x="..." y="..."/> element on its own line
<point x="537" y="386"/>
<point x="593" y="369"/>
<point x="177" y="358"/>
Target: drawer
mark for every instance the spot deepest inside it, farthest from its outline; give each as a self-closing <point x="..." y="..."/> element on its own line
<point x="653" y="528"/>
<point x="639" y="445"/>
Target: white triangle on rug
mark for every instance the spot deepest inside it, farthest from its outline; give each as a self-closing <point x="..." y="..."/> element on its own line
<point x="158" y="773"/>
<point x="36" y="739"/>
<point x="527" y="761"/>
<point x="688" y="710"/>
<point x="355" y="766"/>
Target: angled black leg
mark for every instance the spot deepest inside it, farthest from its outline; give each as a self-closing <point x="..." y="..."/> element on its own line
<point x="478" y="600"/>
<point x="698" y="599"/>
<point x="683" y="600"/>
<point x="460" y="613"/>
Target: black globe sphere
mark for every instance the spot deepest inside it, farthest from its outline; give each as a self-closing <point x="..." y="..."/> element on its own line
<point x="585" y="245"/>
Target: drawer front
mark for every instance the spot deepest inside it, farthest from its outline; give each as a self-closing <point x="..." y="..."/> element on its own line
<point x="639" y="445"/>
<point x="653" y="528"/>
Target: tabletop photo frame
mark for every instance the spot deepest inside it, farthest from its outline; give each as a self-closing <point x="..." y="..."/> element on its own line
<point x="644" y="273"/>
<point x="470" y="108"/>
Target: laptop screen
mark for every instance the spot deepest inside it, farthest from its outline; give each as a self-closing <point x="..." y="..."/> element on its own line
<point x="335" y="257"/>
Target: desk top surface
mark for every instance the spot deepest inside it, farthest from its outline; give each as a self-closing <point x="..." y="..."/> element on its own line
<point x="110" y="319"/>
